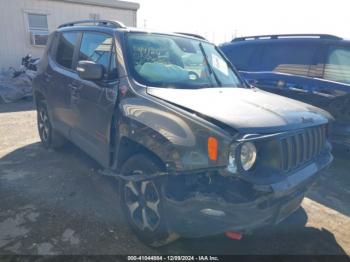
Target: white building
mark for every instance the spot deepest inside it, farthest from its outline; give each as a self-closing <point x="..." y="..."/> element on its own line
<point x="25" y="24"/>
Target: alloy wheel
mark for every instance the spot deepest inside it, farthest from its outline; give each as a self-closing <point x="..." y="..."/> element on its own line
<point x="44" y="125"/>
<point x="142" y="201"/>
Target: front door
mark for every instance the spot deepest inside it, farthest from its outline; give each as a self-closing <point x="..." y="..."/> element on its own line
<point x="61" y="74"/>
<point x="93" y="101"/>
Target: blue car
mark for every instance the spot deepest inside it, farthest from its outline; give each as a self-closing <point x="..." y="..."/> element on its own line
<point x="311" y="68"/>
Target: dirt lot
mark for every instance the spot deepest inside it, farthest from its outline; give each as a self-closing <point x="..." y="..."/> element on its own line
<point x="55" y="202"/>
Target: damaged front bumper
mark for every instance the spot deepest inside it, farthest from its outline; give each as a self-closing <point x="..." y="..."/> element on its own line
<point x="212" y="202"/>
<point x="203" y="214"/>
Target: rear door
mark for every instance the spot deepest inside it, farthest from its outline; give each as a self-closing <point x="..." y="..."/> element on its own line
<point x="337" y="64"/>
<point x="93" y="101"/>
<point x="285" y="69"/>
<point x="62" y="75"/>
<point x="336" y="83"/>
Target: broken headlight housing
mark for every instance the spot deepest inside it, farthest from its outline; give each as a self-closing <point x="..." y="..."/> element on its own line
<point x="248" y="155"/>
<point x="232" y="163"/>
<point x="243" y="156"/>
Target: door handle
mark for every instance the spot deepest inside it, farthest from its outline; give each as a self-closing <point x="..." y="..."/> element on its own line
<point x="324" y="93"/>
<point x="75" y="94"/>
<point x="298" y="89"/>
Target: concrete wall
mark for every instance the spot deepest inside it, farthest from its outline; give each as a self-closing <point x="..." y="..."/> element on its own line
<point x="14" y="31"/>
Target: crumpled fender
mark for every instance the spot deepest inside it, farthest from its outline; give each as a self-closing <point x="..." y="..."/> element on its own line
<point x="177" y="139"/>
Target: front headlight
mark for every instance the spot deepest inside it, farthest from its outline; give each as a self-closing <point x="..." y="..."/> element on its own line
<point x="248" y="155"/>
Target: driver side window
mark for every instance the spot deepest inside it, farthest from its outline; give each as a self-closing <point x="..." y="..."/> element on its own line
<point x="99" y="48"/>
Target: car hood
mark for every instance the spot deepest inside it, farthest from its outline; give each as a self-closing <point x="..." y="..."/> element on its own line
<point x="245" y="109"/>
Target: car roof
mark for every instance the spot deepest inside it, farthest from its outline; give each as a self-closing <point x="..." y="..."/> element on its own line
<point x="86" y="28"/>
<point x="115" y="28"/>
<point x="144" y="31"/>
<point x="310" y="38"/>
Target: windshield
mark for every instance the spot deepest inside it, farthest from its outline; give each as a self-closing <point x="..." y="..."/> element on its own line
<point x="178" y="62"/>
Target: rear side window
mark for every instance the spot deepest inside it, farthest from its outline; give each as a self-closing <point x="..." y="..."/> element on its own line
<point x="99" y="48"/>
<point x="65" y="49"/>
<point x="337" y="67"/>
<point x="290" y="58"/>
<point x="241" y="56"/>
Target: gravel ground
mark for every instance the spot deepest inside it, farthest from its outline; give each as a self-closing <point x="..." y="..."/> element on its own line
<point x="55" y="202"/>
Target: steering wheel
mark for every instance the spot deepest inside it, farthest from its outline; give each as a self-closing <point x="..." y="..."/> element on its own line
<point x="193" y="76"/>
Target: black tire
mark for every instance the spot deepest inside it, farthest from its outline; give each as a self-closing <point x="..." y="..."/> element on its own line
<point x="48" y="136"/>
<point x="147" y="203"/>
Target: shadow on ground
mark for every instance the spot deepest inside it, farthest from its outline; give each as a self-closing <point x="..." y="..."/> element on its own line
<point x="333" y="187"/>
<point x="55" y="202"/>
<point x="289" y="237"/>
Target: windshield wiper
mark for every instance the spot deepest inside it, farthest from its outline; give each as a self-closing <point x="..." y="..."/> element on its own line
<point x="211" y="70"/>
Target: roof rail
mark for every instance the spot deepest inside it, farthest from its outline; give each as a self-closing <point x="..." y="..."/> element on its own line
<point x="262" y="37"/>
<point x="108" y="23"/>
<point x="192" y="35"/>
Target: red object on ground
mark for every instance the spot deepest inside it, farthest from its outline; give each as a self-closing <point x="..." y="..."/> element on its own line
<point x="233" y="235"/>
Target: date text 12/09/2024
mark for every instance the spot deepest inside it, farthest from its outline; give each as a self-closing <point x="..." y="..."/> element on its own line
<point x="173" y="258"/>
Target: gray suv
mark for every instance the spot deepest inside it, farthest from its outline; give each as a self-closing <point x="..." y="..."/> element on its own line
<point x="195" y="149"/>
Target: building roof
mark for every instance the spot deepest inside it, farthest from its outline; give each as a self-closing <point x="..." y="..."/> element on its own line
<point x="106" y="3"/>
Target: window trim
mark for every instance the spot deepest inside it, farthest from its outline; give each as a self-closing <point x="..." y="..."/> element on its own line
<point x="53" y="56"/>
<point x="82" y="32"/>
<point x="321" y="53"/>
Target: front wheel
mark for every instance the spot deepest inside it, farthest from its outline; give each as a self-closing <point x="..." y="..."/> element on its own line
<point x="142" y="203"/>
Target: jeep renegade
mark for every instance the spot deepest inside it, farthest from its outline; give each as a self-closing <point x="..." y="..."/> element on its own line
<point x="196" y="150"/>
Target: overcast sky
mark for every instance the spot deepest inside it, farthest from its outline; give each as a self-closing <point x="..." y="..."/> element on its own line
<point x="220" y="20"/>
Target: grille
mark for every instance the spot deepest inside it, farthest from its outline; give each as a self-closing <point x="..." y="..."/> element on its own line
<point x="302" y="147"/>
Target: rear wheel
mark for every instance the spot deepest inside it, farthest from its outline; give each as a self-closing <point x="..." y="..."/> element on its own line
<point x="49" y="137"/>
<point x="142" y="203"/>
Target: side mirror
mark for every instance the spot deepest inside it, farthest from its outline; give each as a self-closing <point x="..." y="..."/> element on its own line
<point x="89" y="70"/>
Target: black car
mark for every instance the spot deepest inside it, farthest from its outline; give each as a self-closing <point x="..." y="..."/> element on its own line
<point x="314" y="69"/>
<point x="196" y="151"/>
